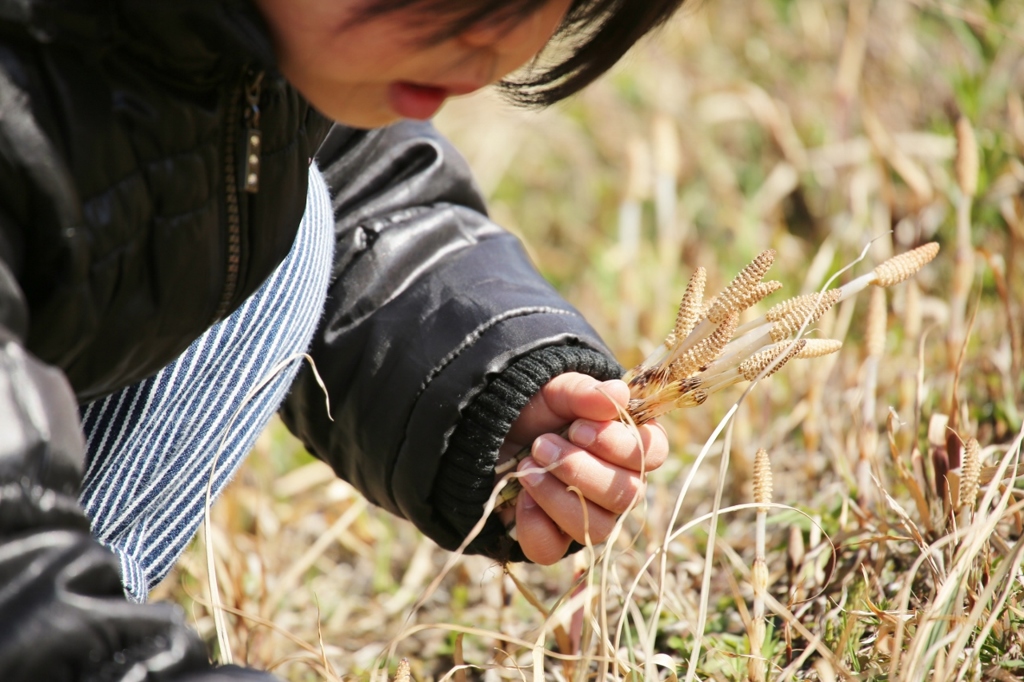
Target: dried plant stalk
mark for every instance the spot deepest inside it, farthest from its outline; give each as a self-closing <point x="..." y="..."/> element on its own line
<point x="636" y="191"/>
<point x="668" y="161"/>
<point x="1015" y="111"/>
<point x="762" y="480"/>
<point x="741" y="300"/>
<point x="967" y="163"/>
<point x="904" y="266"/>
<point x="874" y="336"/>
<point x="816" y="348"/>
<point x="874" y="340"/>
<point x="689" y="308"/>
<point x="779" y="354"/>
<point x="790" y="315"/>
<point x="706" y="351"/>
<point x="963" y="257"/>
<point x="971" y="479"/>
<point x="735" y="298"/>
<point x="756" y="665"/>
<point x="703" y="353"/>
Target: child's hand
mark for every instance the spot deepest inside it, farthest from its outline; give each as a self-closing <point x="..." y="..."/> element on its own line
<point x="601" y="458"/>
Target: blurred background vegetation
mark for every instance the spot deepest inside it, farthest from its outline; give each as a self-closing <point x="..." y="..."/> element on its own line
<point x="809" y="126"/>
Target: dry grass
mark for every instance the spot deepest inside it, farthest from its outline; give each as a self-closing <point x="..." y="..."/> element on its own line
<point x="893" y="543"/>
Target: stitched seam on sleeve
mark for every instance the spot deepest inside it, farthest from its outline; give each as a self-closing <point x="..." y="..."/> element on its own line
<point x="475" y="335"/>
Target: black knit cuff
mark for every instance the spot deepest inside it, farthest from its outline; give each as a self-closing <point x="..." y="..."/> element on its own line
<point x="466" y="477"/>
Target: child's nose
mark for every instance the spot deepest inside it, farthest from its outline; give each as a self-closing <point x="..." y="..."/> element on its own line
<point x="487" y="34"/>
<point x="502" y="36"/>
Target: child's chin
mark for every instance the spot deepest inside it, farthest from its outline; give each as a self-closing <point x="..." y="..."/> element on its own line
<point x="357" y="116"/>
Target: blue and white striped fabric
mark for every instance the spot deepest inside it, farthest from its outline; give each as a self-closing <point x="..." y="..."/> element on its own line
<point x="151" y="446"/>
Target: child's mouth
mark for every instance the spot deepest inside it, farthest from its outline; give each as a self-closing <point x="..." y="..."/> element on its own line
<point x="411" y="100"/>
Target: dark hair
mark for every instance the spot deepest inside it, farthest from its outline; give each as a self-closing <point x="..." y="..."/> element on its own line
<point x="594" y="35"/>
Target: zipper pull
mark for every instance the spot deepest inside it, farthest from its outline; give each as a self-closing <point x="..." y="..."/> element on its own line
<point x="253" y="136"/>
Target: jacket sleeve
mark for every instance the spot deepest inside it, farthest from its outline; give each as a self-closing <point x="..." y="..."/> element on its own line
<point x="63" y="614"/>
<point x="436" y="332"/>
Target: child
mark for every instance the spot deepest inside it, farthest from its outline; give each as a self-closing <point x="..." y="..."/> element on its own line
<point x="168" y="247"/>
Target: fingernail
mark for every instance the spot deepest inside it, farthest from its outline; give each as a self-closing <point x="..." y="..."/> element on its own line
<point x="582" y="433"/>
<point x="546" y="451"/>
<point x="526" y="500"/>
<point x="533" y="479"/>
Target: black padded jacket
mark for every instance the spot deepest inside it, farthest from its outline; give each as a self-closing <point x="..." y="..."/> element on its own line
<point x="131" y="219"/>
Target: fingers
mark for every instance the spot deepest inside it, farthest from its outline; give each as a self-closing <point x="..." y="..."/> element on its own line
<point x="616" y="443"/>
<point x="602" y="460"/>
<point x="563" y="507"/>
<point x="540" y="538"/>
<point x="574" y="396"/>
<point x="565" y="398"/>
<point x="607" y="485"/>
<point x="606" y="472"/>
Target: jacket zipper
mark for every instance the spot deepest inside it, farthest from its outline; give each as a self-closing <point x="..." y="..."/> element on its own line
<point x="253" y="139"/>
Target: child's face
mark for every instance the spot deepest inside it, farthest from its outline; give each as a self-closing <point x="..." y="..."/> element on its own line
<point x="373" y="72"/>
